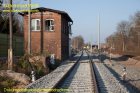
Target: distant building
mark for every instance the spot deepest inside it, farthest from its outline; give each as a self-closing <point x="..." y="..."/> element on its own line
<point x="103" y="45"/>
<point x="50" y="31"/>
<point x="94" y="46"/>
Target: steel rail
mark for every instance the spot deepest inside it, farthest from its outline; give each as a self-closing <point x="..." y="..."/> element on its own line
<point x="96" y="90"/>
<point x="67" y="74"/>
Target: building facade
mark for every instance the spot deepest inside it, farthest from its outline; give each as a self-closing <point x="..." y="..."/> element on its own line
<point x="50" y="31"/>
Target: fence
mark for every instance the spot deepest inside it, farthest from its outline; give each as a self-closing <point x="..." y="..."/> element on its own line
<point x="18" y="45"/>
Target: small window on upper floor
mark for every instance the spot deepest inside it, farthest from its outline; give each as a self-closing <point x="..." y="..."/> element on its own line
<point x="35" y="25"/>
<point x="49" y="24"/>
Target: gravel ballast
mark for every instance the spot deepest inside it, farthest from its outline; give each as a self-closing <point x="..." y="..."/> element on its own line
<point x="107" y="83"/>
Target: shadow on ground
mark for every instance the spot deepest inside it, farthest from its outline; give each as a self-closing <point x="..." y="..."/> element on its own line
<point x="103" y="57"/>
<point x="126" y="83"/>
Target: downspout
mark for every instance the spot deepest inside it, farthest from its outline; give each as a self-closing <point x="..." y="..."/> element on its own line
<point x="42" y="34"/>
<point x="70" y="24"/>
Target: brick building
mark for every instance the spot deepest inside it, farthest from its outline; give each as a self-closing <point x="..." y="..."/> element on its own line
<point x="50" y="31"/>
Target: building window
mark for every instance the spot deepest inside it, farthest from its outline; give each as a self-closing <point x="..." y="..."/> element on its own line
<point x="49" y="25"/>
<point x="35" y="25"/>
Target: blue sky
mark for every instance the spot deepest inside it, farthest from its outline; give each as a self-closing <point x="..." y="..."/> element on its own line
<point x="85" y="13"/>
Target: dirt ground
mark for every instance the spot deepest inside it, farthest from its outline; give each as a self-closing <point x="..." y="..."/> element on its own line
<point x="127" y="60"/>
<point x="130" y="63"/>
<point x="137" y="58"/>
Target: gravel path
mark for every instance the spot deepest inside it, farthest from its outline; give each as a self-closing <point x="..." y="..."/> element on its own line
<point x="106" y="81"/>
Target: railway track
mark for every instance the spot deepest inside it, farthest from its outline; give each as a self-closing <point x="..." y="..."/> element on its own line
<point x="74" y="76"/>
<point x="83" y="74"/>
<point x="80" y="78"/>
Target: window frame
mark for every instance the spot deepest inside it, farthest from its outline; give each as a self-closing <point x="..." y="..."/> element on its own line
<point x="36" y="24"/>
<point x="50" y="25"/>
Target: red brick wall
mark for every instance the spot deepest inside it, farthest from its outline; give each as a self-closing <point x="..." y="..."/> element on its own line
<point x="52" y="41"/>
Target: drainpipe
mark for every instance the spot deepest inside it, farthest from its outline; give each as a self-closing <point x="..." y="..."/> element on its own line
<point x="71" y="23"/>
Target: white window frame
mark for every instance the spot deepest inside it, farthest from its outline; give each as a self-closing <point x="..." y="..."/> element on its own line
<point x="50" y="25"/>
<point x="35" y="25"/>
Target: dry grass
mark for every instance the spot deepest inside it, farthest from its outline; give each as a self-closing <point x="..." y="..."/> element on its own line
<point x="6" y="82"/>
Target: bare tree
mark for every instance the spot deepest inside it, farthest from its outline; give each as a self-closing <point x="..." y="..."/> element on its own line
<point x="135" y="29"/>
<point x="77" y="42"/>
<point x="127" y="37"/>
<point x="135" y="19"/>
<point x="123" y="29"/>
<point x="4" y="16"/>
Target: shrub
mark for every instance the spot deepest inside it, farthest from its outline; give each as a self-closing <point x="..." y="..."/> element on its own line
<point x="6" y="82"/>
<point x="26" y="67"/>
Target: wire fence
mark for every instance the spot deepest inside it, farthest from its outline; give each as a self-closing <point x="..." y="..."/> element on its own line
<point x="18" y="45"/>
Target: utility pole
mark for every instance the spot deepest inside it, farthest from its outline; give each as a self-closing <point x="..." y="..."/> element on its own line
<point x="29" y="27"/>
<point x="91" y="47"/>
<point x="91" y="44"/>
<point x="138" y="39"/>
<point x="99" y="32"/>
<point x="77" y="43"/>
<point x="99" y="38"/>
<point x="123" y="44"/>
<point x="10" y="50"/>
<point x="74" y="44"/>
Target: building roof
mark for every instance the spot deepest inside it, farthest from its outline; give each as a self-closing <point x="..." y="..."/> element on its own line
<point x="41" y="9"/>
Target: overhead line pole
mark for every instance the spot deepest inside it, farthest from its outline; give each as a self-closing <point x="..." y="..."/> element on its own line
<point x="99" y="32"/>
<point x="99" y="37"/>
<point x="138" y="39"/>
<point x="10" y="50"/>
<point x="29" y="27"/>
<point x="91" y="44"/>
